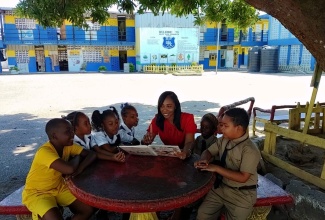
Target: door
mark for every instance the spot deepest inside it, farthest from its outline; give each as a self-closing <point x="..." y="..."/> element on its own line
<point x="230" y="58"/>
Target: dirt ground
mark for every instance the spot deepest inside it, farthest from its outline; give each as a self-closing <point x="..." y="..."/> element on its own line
<point x="306" y="157"/>
<point x="29" y="101"/>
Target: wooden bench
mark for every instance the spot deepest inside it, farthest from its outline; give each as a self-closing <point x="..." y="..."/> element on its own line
<point x="268" y="194"/>
<point x="12" y="205"/>
<point x="250" y="101"/>
<point x="294" y="115"/>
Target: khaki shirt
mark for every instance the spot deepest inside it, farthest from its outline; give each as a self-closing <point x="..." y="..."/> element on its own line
<point x="243" y="156"/>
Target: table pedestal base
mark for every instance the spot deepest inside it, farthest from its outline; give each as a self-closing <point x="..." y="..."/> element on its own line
<point x="260" y="213"/>
<point x="144" y="216"/>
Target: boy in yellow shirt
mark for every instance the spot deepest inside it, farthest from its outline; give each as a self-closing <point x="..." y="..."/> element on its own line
<point x="45" y="188"/>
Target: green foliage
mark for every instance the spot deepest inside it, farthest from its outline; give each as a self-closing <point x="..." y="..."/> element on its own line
<point x="132" y="68"/>
<point x="15" y="68"/>
<point x="52" y="13"/>
<point x="102" y="68"/>
<point x="174" y="64"/>
<point x="194" y="64"/>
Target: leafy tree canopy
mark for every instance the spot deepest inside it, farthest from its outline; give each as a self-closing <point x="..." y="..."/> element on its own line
<point x="52" y="13"/>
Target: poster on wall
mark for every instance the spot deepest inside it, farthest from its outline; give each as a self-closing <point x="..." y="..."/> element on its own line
<point x="163" y="58"/>
<point x="75" y="60"/>
<point x="26" y="35"/>
<point x="176" y="43"/>
<point x="172" y="58"/>
<point x="180" y="58"/>
<point x="106" y="56"/>
<point x="188" y="58"/>
<point x="145" y="58"/>
<point x="154" y="58"/>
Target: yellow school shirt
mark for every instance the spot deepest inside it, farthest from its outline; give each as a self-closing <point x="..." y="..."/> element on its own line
<point x="43" y="179"/>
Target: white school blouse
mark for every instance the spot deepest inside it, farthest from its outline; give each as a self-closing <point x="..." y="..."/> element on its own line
<point x="126" y="133"/>
<point x="87" y="144"/>
<point x="101" y="138"/>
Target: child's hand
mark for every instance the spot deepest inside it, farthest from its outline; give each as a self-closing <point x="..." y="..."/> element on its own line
<point x="181" y="155"/>
<point x="201" y="164"/>
<point x="119" y="157"/>
<point x="209" y="167"/>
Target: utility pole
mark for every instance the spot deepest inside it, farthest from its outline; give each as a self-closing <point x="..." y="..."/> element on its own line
<point x="217" y="58"/>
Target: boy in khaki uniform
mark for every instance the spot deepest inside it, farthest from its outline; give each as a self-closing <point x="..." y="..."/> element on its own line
<point x="237" y="174"/>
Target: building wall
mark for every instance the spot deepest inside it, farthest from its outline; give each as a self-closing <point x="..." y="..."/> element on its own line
<point x="293" y="56"/>
<point x="35" y="48"/>
<point x="68" y="48"/>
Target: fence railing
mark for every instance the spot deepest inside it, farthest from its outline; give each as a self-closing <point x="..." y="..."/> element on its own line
<point x="173" y="68"/>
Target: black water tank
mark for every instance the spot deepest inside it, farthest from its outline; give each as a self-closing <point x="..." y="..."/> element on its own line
<point x="269" y="59"/>
<point x="254" y="59"/>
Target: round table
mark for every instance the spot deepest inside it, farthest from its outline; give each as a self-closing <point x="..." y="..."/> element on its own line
<point x="141" y="184"/>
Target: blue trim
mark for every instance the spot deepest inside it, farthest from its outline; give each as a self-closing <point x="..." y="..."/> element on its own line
<point x="115" y="64"/>
<point x="312" y="63"/>
<point x="288" y="55"/>
<point x="300" y="54"/>
<point x="32" y="65"/>
<point x="48" y="64"/>
<point x="246" y="60"/>
<point x="12" y="61"/>
<point x="130" y="34"/>
<point x="131" y="60"/>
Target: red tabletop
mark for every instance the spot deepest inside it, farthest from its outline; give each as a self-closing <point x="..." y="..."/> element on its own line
<point x="141" y="184"/>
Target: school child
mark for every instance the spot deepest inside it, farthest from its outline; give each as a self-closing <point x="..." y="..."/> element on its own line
<point x="235" y="190"/>
<point x="45" y="188"/>
<point x="82" y="129"/>
<point x="129" y="122"/>
<point x="208" y="128"/>
<point x="106" y="126"/>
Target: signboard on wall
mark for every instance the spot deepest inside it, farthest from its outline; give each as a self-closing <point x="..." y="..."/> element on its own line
<point x="169" y="45"/>
<point x="26" y="35"/>
<point x="75" y="60"/>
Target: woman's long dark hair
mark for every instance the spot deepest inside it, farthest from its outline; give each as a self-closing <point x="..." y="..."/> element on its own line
<point x="177" y="112"/>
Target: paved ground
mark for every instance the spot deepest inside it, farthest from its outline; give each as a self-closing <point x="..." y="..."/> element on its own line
<point x="28" y="101"/>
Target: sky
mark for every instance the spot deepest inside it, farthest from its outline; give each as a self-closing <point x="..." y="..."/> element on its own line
<point x="8" y="3"/>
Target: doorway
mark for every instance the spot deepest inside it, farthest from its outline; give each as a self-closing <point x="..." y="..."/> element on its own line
<point x="40" y="58"/>
<point x="63" y="58"/>
<point x="122" y="58"/>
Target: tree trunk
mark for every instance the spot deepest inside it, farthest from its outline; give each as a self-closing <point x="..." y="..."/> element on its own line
<point x="303" y="18"/>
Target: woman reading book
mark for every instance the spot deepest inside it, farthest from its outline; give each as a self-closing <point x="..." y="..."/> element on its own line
<point x="173" y="126"/>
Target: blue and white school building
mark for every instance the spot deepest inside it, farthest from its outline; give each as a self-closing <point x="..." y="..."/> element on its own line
<point x="142" y="39"/>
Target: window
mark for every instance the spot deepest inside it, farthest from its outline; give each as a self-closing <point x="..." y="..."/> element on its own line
<point x="25" y="24"/>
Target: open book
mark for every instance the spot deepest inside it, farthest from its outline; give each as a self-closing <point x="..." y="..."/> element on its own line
<point x="152" y="150"/>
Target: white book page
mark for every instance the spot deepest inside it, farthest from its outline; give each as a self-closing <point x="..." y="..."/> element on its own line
<point x="143" y="150"/>
<point x="166" y="150"/>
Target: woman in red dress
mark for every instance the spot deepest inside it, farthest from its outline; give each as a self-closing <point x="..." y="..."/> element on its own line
<point x="173" y="126"/>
